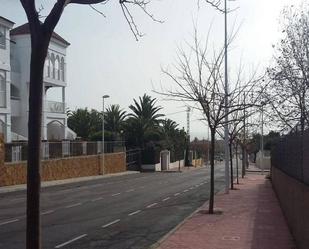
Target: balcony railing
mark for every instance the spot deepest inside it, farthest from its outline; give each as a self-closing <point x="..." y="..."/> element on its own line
<point x="54" y="107"/>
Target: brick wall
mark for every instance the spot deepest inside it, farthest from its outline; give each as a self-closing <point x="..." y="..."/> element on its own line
<point x="57" y="169"/>
<point x="294" y="200"/>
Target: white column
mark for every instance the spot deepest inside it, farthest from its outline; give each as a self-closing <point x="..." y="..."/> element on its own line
<point x="8" y="135"/>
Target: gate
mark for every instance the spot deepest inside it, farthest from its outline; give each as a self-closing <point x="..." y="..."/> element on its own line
<point x="133" y="159"/>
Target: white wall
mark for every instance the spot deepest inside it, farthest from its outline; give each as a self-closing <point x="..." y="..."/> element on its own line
<point x="21" y="54"/>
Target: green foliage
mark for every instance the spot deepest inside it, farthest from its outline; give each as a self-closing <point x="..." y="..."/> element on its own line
<point x="143" y="128"/>
<point x="114" y="119"/>
<point x="85" y="122"/>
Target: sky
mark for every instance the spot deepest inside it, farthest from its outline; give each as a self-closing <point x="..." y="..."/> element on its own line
<point x="104" y="58"/>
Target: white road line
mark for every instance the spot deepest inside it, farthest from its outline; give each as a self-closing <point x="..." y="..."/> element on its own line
<point x="167" y="198"/>
<point x="191" y="188"/>
<point x="130" y="190"/>
<point x="8" y="222"/>
<point x="152" y="205"/>
<point x="48" y="212"/>
<point x="197" y="185"/>
<point x="116" y="194"/>
<point x="97" y="199"/>
<point x="73" y="205"/>
<point x="111" y="223"/>
<point x="136" y="212"/>
<point x="176" y="194"/>
<point x="70" y="241"/>
<point x="186" y="190"/>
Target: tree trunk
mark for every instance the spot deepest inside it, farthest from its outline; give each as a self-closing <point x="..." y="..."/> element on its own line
<point x="243" y="170"/>
<point x="212" y="173"/>
<point x="39" y="46"/>
<point x="231" y="165"/>
<point x="236" y="155"/>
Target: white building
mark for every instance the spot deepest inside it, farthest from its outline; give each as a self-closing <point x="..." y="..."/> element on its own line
<point x="15" y="52"/>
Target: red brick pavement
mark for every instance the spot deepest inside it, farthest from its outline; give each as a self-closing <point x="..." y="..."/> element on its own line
<point x="251" y="219"/>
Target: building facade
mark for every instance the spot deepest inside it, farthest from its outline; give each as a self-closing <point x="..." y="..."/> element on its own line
<point x="15" y="54"/>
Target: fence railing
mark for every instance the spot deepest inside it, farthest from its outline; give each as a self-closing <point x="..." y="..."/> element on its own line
<point x="18" y="151"/>
<point x="55" y="107"/>
<point x="291" y="155"/>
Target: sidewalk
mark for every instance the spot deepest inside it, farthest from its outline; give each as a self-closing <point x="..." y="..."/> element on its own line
<point x="13" y="188"/>
<point x="251" y="219"/>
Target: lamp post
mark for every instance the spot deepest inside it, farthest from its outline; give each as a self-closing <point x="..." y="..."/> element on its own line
<point x="226" y="91"/>
<point x="103" y="112"/>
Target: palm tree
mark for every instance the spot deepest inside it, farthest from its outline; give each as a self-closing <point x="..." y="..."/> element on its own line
<point x="114" y="119"/>
<point x="84" y="122"/>
<point x="144" y="121"/>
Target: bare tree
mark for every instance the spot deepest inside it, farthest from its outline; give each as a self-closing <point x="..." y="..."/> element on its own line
<point x="288" y="92"/>
<point x="41" y="32"/>
<point x="199" y="82"/>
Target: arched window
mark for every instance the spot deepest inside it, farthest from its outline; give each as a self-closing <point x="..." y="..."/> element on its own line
<point x="47" y="66"/>
<point x="52" y="60"/>
<point x="57" y="67"/>
<point x="2" y="89"/>
<point x="62" y="66"/>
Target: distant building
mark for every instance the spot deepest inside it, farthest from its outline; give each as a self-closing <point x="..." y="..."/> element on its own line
<point x="15" y="52"/>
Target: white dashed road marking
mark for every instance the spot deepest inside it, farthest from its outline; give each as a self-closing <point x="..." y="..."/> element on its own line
<point x="70" y="241"/>
<point x="73" y="205"/>
<point x="111" y="223"/>
<point x="97" y="199"/>
<point x="186" y="190"/>
<point x="167" y="198"/>
<point x="48" y="212"/>
<point x="8" y="222"/>
<point x="136" y="212"/>
<point x="152" y="205"/>
<point x="176" y="194"/>
<point x="130" y="190"/>
<point x="116" y="194"/>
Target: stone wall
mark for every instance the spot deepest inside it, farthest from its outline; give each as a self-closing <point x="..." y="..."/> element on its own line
<point x="57" y="169"/>
<point x="294" y="200"/>
<point x="197" y="162"/>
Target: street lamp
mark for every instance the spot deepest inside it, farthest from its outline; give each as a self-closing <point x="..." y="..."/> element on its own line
<point x="104" y="97"/>
<point x="226" y="91"/>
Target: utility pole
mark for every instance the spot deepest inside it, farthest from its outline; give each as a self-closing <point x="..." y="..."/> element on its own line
<point x="226" y="90"/>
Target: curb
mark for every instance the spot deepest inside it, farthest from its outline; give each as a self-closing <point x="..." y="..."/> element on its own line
<point x="46" y="184"/>
<point x="160" y="241"/>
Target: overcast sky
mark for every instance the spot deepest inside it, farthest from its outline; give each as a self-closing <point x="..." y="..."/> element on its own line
<point x="104" y="57"/>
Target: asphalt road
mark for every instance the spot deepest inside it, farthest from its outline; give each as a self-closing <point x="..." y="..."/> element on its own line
<point x="131" y="211"/>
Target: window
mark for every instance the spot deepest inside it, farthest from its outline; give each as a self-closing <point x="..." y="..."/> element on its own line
<point x="57" y="68"/>
<point x="52" y="59"/>
<point x="2" y="89"/>
<point x="62" y="69"/>
<point x="2" y="37"/>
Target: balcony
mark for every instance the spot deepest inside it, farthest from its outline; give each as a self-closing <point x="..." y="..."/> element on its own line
<point x="55" y="107"/>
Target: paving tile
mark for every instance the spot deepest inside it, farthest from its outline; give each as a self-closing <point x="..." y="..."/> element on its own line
<point x="251" y="219"/>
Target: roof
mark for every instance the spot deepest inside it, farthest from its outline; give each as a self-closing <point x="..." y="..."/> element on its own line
<point x="7" y="20"/>
<point x="24" y="29"/>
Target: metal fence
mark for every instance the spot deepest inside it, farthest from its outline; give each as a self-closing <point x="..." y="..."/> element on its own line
<point x="133" y="159"/>
<point x="291" y="155"/>
<point x="18" y="151"/>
